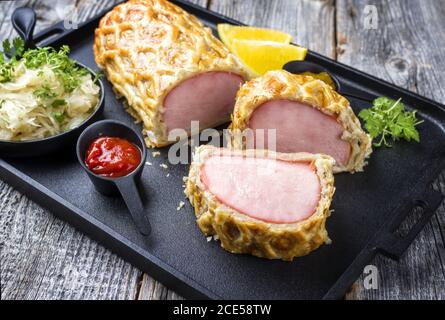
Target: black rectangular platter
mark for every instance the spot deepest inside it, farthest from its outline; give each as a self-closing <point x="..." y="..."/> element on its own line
<point x="368" y="206"/>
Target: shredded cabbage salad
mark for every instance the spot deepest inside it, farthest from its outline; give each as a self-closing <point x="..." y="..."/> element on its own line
<point x="43" y="93"/>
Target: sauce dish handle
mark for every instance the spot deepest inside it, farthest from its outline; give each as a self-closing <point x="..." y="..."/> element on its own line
<point x="129" y="191"/>
<point x="24" y="21"/>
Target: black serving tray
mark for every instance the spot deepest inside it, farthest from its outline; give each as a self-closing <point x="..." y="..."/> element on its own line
<point x="369" y="206"/>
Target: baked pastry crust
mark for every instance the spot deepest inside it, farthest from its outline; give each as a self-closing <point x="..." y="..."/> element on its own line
<point x="240" y="233"/>
<point x="146" y="48"/>
<point x="281" y="84"/>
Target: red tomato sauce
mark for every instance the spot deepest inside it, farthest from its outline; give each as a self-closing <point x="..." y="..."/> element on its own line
<point x="112" y="157"/>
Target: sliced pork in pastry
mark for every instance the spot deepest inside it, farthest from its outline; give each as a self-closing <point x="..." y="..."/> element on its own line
<point x="267" y="204"/>
<point x="168" y="66"/>
<point x="307" y="116"/>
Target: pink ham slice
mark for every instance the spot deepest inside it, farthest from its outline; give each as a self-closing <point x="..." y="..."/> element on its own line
<point x="266" y="189"/>
<point x="208" y="98"/>
<point x="300" y="128"/>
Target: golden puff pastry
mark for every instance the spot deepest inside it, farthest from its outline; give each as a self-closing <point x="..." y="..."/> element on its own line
<point x="168" y="66"/>
<point x="307" y="114"/>
<point x="271" y="205"/>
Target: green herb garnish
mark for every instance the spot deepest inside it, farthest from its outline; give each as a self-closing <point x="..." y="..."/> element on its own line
<point x="6" y="71"/>
<point x="59" y="116"/>
<point x="19" y="46"/>
<point x="66" y="70"/>
<point x="7" y="47"/>
<point x="7" y="68"/>
<point x="97" y="76"/>
<point x="57" y="103"/>
<point x="388" y="118"/>
<point x="44" y="92"/>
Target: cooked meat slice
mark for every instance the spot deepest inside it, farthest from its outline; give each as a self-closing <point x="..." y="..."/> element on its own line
<point x="301" y="128"/>
<point x="267" y="204"/>
<point x="244" y="184"/>
<point x="207" y="97"/>
<point x="308" y="115"/>
<point x="154" y="53"/>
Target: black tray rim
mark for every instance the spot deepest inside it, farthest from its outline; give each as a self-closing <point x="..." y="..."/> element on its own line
<point x="160" y="270"/>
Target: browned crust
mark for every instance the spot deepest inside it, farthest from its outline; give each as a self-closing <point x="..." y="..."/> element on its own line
<point x="239" y="233"/>
<point x="280" y="84"/>
<point x="146" y="48"/>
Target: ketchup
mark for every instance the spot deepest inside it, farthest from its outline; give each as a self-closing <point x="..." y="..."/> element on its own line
<point x="112" y="157"/>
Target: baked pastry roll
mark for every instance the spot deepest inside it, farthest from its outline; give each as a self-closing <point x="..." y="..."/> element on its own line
<point x="271" y="205"/>
<point x="168" y="66"/>
<point x="307" y="114"/>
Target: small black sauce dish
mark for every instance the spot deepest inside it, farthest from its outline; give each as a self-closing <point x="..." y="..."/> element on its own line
<point x="126" y="186"/>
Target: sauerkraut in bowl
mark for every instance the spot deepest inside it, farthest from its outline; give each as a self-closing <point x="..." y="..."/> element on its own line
<point x="44" y="93"/>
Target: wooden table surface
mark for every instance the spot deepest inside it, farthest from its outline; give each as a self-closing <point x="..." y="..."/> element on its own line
<point x="43" y="257"/>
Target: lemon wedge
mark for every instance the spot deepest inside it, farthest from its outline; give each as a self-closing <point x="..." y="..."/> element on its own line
<point x="262" y="56"/>
<point x="228" y="33"/>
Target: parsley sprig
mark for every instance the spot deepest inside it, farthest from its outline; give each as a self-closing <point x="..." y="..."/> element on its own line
<point x="387" y="118"/>
<point x="7" y="68"/>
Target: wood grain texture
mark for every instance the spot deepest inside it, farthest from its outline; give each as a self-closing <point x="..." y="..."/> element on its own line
<point x="407" y="48"/>
<point x="42" y="257"/>
<point x="202" y="3"/>
<point x="50" y="12"/>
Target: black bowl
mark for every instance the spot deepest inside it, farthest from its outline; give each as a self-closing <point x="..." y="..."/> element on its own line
<point x="63" y="142"/>
<point x="126" y="186"/>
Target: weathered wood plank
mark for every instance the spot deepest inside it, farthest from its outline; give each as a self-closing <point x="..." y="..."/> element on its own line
<point x="50" y="12"/>
<point x="407" y="48"/>
<point x="45" y="258"/>
<point x="154" y="290"/>
<point x="202" y="3"/>
<point x="310" y="22"/>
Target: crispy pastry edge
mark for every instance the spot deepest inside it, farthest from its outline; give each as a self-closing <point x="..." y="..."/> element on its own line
<point x="130" y="84"/>
<point x="281" y="84"/>
<point x="239" y="233"/>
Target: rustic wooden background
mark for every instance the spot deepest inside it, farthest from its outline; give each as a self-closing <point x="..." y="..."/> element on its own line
<point x="43" y="257"/>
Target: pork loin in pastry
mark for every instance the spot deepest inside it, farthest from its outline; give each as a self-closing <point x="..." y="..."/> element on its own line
<point x="308" y="115"/>
<point x="168" y="66"/>
<point x="271" y="205"/>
